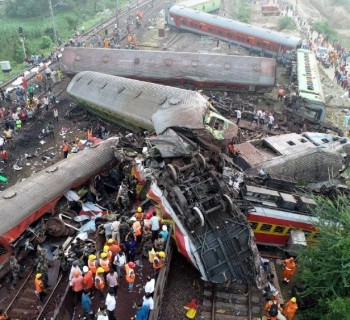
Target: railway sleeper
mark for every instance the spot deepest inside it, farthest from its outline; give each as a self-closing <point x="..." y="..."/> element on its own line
<point x="207" y="316"/>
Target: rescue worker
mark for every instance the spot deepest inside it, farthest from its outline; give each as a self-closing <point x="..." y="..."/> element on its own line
<point x="92" y="263"/>
<point x="157" y="265"/>
<point x="88" y="279"/>
<point x="290" y="308"/>
<point x="137" y="228"/>
<point x="100" y="280"/>
<point x="139" y="214"/>
<point x="130" y="275"/>
<point x="113" y="247"/>
<point x="107" y="250"/>
<point x="104" y="262"/>
<point x="65" y="149"/>
<point x="39" y="287"/>
<point x="289" y="269"/>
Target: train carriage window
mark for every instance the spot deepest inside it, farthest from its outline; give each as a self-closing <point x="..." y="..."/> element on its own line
<point x="2" y="250"/>
<point x="253" y="225"/>
<point x="194" y="25"/>
<point x="266" y="227"/>
<point x="279" y="229"/>
<point x="211" y="30"/>
<point x="221" y="33"/>
<point x="216" y="124"/>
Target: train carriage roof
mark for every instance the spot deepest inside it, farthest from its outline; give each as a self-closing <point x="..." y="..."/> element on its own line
<point x="26" y="197"/>
<point x="146" y="105"/>
<point x="168" y="65"/>
<point x="241" y="27"/>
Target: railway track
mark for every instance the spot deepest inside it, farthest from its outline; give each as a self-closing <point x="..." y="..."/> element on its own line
<point x="233" y="302"/>
<point x="126" y="21"/>
<point x="25" y="304"/>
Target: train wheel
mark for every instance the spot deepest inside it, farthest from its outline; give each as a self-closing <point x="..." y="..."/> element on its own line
<point x="228" y="203"/>
<point x="179" y="198"/>
<point x="172" y="172"/>
<point x="201" y="160"/>
<point x="199" y="214"/>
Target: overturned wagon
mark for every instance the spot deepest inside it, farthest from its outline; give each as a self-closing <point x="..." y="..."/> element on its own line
<point x="190" y="70"/>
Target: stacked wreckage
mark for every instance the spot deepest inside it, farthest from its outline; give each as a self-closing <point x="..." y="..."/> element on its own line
<point x="185" y="171"/>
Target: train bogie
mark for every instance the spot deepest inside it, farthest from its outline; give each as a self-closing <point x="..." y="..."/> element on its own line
<point x="189" y="70"/>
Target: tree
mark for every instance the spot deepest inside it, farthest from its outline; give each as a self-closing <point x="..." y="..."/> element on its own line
<point x="325" y="266"/>
<point x="285" y="22"/>
<point x="325" y="28"/>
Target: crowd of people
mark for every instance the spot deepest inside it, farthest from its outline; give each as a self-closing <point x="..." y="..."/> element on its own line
<point x="127" y="242"/>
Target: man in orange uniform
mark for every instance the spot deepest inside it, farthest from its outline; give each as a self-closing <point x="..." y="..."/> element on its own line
<point x="130" y="275"/>
<point x="289" y="269"/>
<point x="290" y="308"/>
<point x="39" y="287"/>
<point x="92" y="263"/>
<point x="65" y="149"/>
<point x="88" y="279"/>
<point x="157" y="265"/>
<point x="104" y="262"/>
<point x="109" y="253"/>
<point x="100" y="281"/>
<point x="113" y="247"/>
<point x="139" y="214"/>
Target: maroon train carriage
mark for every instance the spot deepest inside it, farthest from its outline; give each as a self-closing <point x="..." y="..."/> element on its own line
<point x="256" y="39"/>
<point x="189" y="70"/>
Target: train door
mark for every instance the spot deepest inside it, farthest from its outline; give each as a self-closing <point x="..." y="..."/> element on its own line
<point x="137" y="66"/>
<point x="280" y="51"/>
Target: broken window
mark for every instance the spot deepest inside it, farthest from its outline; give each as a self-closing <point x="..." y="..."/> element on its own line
<point x="291" y="143"/>
<point x="266" y="227"/>
<point x="216" y="124"/>
<point x="325" y="140"/>
<point x="253" y="225"/>
<point x="279" y="229"/>
<point x="303" y="140"/>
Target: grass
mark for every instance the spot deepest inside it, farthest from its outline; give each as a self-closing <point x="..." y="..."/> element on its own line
<point x="35" y="29"/>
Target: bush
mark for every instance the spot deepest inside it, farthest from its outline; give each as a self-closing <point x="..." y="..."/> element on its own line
<point x="72" y="21"/>
<point x="244" y="12"/>
<point x="285" y="22"/>
<point x="46" y="42"/>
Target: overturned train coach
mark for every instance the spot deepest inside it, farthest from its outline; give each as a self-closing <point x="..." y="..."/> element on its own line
<point x="23" y="204"/>
<point x="189" y="70"/>
<point x="143" y="105"/>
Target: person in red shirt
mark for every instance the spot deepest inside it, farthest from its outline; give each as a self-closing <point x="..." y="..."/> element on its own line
<point x="88" y="279"/>
<point x="77" y="284"/>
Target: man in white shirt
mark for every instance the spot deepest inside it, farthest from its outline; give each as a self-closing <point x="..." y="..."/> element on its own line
<point x="111" y="304"/>
<point x="148" y="301"/>
<point x="149" y="286"/>
<point x="115" y="231"/>
<point x="239" y="116"/>
<point x="271" y="119"/>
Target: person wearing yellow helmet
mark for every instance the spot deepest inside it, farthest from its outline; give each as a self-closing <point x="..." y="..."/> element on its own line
<point x="139" y="214"/>
<point x="104" y="262"/>
<point x="100" y="281"/>
<point x="92" y="263"/>
<point x="290" y="308"/>
<point x="39" y="286"/>
<point x="107" y="250"/>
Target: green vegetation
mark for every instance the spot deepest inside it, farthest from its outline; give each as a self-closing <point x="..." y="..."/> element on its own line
<point x="285" y="22"/>
<point x="326" y="29"/>
<point x="33" y="16"/>
<point x="325" y="267"/>
<point x="244" y="12"/>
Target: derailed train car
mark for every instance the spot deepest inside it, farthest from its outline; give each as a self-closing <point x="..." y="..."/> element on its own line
<point x="189" y="70"/>
<point x="137" y="104"/>
<point x="26" y="202"/>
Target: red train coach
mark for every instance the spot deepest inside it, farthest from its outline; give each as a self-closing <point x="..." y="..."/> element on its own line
<point x="256" y="39"/>
<point x="184" y="69"/>
<point x="26" y="202"/>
